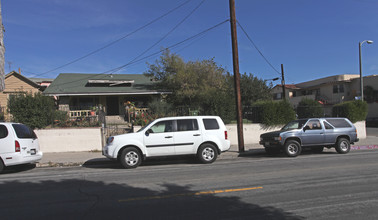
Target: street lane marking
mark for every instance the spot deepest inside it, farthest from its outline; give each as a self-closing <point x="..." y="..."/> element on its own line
<point x="189" y="194"/>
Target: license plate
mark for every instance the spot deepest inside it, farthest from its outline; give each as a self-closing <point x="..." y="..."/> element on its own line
<point x="267" y="144"/>
<point x="33" y="152"/>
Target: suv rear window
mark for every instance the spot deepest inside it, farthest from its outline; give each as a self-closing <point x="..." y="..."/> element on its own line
<point x="211" y="124"/>
<point x="23" y="131"/>
<point x="3" y="131"/>
<point x="187" y="125"/>
<point x="339" y="123"/>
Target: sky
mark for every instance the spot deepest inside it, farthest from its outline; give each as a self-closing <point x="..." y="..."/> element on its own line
<point x="311" y="38"/>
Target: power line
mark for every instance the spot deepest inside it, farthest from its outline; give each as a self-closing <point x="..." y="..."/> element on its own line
<point x="115" y="41"/>
<point x="158" y="52"/>
<point x="161" y="39"/>
<point x="258" y="50"/>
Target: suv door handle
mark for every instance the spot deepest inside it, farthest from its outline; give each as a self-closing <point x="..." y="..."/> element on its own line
<point x="196" y="134"/>
<point x="169" y="137"/>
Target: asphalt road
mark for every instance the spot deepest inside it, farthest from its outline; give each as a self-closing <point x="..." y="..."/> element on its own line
<point x="311" y="186"/>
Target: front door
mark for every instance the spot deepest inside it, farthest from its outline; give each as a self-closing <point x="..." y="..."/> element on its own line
<point x="313" y="134"/>
<point x="112" y="105"/>
<point x="159" y="139"/>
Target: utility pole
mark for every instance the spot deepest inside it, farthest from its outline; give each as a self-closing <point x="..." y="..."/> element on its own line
<point x="235" y="59"/>
<point x="2" y="51"/>
<point x="283" y="83"/>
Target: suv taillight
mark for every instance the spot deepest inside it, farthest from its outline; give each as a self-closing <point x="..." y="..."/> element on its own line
<point x="17" y="146"/>
<point x="225" y="135"/>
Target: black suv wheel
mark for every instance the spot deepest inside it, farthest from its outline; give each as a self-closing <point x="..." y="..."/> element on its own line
<point x="342" y="146"/>
<point x="292" y="148"/>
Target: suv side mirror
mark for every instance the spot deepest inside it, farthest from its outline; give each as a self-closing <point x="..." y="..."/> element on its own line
<point x="148" y="132"/>
<point x="306" y="128"/>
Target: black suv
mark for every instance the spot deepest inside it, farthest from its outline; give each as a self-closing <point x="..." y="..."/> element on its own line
<point x="315" y="133"/>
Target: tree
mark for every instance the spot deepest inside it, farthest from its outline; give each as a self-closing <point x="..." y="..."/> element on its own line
<point x="252" y="89"/>
<point x="198" y="85"/>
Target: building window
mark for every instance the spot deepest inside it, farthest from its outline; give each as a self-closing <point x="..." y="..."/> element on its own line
<point x="341" y="88"/>
<point x="335" y="89"/>
<point x="277" y="96"/>
<point x="338" y="88"/>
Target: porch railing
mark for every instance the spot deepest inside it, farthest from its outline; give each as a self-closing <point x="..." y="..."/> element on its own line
<point x="81" y="113"/>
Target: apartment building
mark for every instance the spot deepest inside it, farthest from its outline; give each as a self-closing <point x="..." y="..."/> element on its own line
<point x="332" y="90"/>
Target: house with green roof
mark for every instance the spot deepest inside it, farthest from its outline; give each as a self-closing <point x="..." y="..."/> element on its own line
<point x="82" y="92"/>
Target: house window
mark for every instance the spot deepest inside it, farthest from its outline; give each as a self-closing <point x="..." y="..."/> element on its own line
<point x="338" y="88"/>
<point x="277" y="96"/>
<point x="294" y="93"/>
<point x="335" y="89"/>
<point x="341" y="88"/>
<point x="317" y="92"/>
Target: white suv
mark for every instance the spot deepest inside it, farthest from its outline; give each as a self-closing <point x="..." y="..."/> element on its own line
<point x="204" y="136"/>
<point x="18" y="145"/>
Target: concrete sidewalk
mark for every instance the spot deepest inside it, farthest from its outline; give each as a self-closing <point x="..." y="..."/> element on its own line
<point x="96" y="158"/>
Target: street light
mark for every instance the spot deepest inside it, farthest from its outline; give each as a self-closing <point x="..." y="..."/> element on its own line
<point x="361" y="80"/>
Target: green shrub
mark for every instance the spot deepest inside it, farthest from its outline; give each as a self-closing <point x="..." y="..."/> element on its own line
<point x="272" y="113"/>
<point x="353" y="110"/>
<point x="222" y="104"/>
<point x="36" y="111"/>
<point x="309" y="108"/>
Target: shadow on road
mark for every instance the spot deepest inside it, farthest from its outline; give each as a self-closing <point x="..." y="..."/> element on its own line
<point x="260" y="153"/>
<point x="113" y="164"/>
<point x="83" y="199"/>
<point x="18" y="168"/>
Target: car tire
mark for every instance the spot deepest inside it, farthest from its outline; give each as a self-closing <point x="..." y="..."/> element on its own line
<point x="292" y="148"/>
<point x="317" y="150"/>
<point x="272" y="151"/>
<point x="207" y="153"/>
<point x="342" y="146"/>
<point x="130" y="158"/>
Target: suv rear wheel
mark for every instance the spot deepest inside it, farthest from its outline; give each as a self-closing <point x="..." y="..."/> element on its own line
<point x="130" y="158"/>
<point x="207" y="153"/>
<point x="292" y="148"/>
<point x="342" y="146"/>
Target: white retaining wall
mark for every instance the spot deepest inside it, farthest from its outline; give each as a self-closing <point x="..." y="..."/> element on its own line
<point x="89" y="139"/>
<point x="69" y="139"/>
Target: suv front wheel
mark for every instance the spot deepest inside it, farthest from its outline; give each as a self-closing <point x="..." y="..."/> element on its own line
<point x="292" y="148"/>
<point x="342" y="146"/>
<point x="130" y="158"/>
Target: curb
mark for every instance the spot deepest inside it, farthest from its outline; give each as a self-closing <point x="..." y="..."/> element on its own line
<point x="364" y="147"/>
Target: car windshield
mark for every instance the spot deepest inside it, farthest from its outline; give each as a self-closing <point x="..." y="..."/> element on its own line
<point x="297" y="124"/>
<point x="145" y="126"/>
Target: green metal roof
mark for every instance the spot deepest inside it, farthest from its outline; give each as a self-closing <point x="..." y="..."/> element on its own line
<point x="74" y="84"/>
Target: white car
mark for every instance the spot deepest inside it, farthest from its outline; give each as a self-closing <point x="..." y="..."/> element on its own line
<point x="204" y="136"/>
<point x="18" y="145"/>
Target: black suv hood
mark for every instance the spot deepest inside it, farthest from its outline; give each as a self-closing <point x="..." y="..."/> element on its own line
<point x="271" y="134"/>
